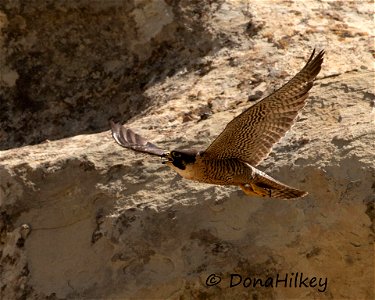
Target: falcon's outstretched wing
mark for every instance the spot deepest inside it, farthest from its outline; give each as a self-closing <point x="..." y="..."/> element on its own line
<point x="129" y="139"/>
<point x="251" y="135"/>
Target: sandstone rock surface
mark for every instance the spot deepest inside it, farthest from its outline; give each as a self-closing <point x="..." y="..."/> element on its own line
<point x="81" y="217"/>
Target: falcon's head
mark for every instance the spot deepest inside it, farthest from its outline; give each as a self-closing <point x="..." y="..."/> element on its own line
<point x="180" y="158"/>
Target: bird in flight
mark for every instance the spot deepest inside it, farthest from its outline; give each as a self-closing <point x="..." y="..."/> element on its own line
<point x="245" y="142"/>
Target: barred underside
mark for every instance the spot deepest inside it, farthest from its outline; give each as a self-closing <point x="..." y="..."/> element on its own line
<point x="235" y="172"/>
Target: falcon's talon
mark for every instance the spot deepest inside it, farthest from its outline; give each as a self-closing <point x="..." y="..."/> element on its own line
<point x="244" y="143"/>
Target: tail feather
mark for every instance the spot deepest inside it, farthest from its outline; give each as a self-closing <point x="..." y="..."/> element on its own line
<point x="274" y="188"/>
<point x="283" y="191"/>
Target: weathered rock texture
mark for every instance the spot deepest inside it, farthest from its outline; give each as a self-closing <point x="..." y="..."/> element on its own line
<point x="83" y="218"/>
<point x="64" y="62"/>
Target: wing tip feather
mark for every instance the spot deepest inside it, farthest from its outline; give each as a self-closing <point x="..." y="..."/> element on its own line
<point x="127" y="138"/>
<point x="314" y="64"/>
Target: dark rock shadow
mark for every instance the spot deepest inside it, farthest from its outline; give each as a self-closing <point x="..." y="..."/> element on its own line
<point x="82" y="63"/>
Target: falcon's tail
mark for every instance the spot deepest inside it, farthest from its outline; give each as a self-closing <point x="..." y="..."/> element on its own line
<point x="265" y="186"/>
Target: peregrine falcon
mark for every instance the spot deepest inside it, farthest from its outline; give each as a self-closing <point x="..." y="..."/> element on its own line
<point x="245" y="142"/>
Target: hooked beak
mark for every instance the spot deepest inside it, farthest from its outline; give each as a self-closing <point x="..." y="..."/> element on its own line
<point x="166" y="158"/>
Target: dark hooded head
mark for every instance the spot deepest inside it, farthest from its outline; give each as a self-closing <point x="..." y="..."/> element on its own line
<point x="181" y="158"/>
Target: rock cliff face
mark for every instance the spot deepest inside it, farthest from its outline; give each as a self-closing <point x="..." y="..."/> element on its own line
<point x="81" y="217"/>
<point x="64" y="62"/>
